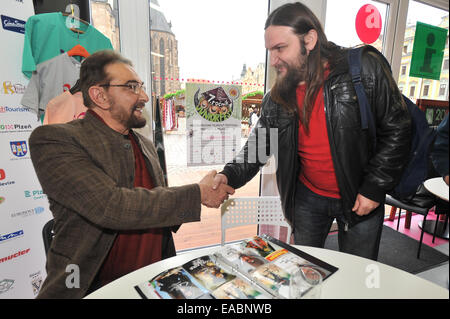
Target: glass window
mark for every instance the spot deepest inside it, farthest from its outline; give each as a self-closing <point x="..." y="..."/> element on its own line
<point x="426" y="89"/>
<point x="403" y="71"/>
<point x="418" y="11"/>
<point x="442" y="89"/>
<point x="218" y="42"/>
<point x="340" y="28"/>
<point x="105" y="18"/>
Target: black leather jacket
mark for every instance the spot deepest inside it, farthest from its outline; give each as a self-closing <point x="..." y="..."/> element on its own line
<point x="359" y="168"/>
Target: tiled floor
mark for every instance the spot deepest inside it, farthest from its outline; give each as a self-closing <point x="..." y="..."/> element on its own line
<point x="414" y="231"/>
<point x="438" y="275"/>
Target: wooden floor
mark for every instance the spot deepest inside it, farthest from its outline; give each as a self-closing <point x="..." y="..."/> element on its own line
<point x="207" y="231"/>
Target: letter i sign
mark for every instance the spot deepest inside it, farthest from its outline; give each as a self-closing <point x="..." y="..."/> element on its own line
<point x="368" y="24"/>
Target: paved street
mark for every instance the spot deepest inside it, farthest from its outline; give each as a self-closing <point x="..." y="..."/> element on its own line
<point x="207" y="231"/>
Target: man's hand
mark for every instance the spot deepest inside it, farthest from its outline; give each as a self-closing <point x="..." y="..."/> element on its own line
<point x="219" y="179"/>
<point x="213" y="197"/>
<point x="363" y="205"/>
<point x="445" y="178"/>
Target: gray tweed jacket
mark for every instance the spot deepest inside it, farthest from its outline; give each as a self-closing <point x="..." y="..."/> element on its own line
<point x="87" y="171"/>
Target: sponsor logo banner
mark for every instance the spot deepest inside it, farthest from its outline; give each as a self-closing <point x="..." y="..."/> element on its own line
<point x="13" y="24"/>
<point x="17" y="109"/>
<point x="16" y="234"/>
<point x="28" y="212"/>
<point x="15" y="128"/>
<point x="15" y="255"/>
<point x="6" y="285"/>
<point x="35" y="194"/>
<point x="10" y="88"/>
<point x="19" y="148"/>
<point x="3" y="181"/>
<point x="36" y="282"/>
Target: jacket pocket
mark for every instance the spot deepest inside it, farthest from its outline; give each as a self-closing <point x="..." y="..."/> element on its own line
<point x="347" y="108"/>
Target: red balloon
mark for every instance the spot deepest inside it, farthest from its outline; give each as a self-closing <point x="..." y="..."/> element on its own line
<point x="368" y="23"/>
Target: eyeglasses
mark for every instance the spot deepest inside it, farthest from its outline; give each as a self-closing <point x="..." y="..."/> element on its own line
<point x="136" y="87"/>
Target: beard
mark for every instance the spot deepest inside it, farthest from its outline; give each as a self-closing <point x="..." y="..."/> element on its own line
<point x="283" y="91"/>
<point x="127" y="118"/>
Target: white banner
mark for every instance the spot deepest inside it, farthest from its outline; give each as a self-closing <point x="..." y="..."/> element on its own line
<point x="23" y="206"/>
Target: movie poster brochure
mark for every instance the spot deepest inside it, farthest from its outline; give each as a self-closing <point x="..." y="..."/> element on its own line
<point x="255" y="268"/>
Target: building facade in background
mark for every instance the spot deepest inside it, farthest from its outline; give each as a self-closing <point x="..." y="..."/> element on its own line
<point x="164" y="52"/>
<point x="416" y="88"/>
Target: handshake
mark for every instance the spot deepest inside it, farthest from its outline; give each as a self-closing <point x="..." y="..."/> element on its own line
<point x="214" y="189"/>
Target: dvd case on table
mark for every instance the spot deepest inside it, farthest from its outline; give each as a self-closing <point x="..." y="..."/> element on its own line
<point x="254" y="268"/>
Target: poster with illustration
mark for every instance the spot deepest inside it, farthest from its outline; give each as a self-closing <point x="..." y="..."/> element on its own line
<point x="213" y="125"/>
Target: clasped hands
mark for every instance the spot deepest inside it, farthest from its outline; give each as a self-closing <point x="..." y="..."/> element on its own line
<point x="214" y="189"/>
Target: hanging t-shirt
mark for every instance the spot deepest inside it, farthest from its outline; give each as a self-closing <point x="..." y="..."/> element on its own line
<point x="51" y="78"/>
<point x="65" y="108"/>
<point x="47" y="36"/>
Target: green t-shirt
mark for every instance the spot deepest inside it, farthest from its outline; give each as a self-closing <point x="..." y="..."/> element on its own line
<point x="47" y="36"/>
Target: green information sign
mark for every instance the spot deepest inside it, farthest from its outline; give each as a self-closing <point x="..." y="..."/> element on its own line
<point x="428" y="51"/>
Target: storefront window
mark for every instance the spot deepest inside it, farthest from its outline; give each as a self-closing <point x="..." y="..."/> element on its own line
<point x="422" y="87"/>
<point x="340" y="23"/>
<point x="105" y="19"/>
<point x="207" y="42"/>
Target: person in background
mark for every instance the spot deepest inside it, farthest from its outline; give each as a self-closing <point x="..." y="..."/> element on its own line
<point x="326" y="167"/>
<point x="439" y="154"/>
<point x="112" y="211"/>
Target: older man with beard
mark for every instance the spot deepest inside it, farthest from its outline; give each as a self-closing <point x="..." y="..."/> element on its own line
<point x="113" y="213"/>
<point x="326" y="167"/>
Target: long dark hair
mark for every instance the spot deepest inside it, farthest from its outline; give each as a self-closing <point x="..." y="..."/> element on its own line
<point x="301" y="19"/>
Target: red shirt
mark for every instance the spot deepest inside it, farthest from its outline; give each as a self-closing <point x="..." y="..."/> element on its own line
<point x="317" y="171"/>
<point x="132" y="249"/>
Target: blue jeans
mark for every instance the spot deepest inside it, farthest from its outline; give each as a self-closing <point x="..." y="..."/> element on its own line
<point x="314" y="215"/>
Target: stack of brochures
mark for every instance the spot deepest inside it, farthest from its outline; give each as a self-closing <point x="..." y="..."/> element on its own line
<point x="255" y="268"/>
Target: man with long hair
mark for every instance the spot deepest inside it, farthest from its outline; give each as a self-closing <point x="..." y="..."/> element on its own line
<point x="326" y="166"/>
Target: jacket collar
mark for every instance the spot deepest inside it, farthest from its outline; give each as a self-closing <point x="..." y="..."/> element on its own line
<point x="96" y="121"/>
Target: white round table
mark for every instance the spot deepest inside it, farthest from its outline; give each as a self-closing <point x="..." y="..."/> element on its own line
<point x="357" y="278"/>
<point x="438" y="187"/>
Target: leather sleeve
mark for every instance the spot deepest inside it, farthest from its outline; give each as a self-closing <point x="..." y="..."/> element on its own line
<point x="254" y="153"/>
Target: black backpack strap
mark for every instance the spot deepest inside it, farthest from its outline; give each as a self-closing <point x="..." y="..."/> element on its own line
<point x="354" y="63"/>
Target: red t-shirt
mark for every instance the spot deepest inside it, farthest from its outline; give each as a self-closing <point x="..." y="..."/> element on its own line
<point x="133" y="249"/>
<point x="317" y="171"/>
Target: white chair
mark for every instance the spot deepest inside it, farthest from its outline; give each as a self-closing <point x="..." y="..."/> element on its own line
<point x="252" y="210"/>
